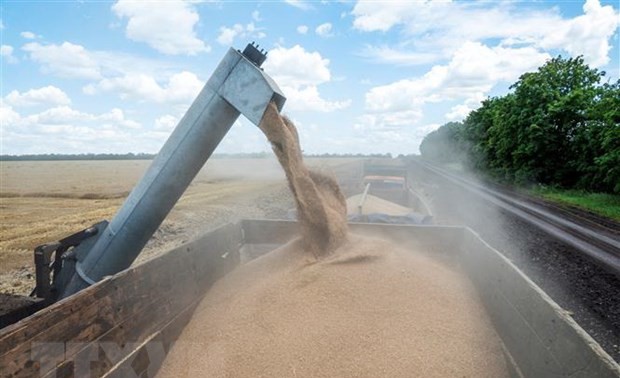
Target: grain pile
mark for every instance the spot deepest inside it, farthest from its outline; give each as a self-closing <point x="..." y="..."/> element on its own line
<point x="361" y="307"/>
<point x="373" y="204"/>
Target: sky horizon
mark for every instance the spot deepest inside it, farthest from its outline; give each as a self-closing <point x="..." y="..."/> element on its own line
<point x="359" y="76"/>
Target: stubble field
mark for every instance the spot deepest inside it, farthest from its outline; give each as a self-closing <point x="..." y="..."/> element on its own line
<point x="44" y="201"/>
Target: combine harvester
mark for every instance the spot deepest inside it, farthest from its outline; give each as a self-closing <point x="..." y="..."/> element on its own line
<point x="95" y="316"/>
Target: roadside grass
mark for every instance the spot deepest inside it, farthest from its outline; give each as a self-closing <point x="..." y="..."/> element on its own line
<point x="607" y="205"/>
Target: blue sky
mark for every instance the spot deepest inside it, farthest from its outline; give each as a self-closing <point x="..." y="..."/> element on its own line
<point x="376" y="76"/>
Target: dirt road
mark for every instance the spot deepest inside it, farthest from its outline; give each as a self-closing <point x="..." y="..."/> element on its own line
<point x="43" y="201"/>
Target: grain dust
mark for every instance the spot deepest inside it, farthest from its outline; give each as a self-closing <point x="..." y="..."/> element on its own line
<point x="354" y="307"/>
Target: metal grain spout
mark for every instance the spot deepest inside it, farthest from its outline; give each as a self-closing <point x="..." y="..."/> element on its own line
<point x="238" y="86"/>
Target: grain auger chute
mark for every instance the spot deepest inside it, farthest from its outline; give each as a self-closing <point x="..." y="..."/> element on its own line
<point x="237" y="86"/>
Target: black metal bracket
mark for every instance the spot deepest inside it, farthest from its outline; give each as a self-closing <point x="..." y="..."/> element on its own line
<point x="255" y="55"/>
<point x="48" y="261"/>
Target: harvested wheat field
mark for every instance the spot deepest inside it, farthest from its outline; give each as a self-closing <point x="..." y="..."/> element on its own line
<point x="43" y="201"/>
<point x="332" y="304"/>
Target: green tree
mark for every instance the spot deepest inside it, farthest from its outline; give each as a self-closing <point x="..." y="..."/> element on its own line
<point x="560" y="126"/>
<point x="443" y="145"/>
<point x="598" y="144"/>
<point x="550" y="109"/>
<point x="488" y="132"/>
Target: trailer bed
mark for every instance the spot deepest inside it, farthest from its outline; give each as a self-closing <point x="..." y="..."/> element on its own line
<point x="130" y="320"/>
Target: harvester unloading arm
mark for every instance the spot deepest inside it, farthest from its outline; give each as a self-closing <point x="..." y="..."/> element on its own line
<point x="237" y="86"/>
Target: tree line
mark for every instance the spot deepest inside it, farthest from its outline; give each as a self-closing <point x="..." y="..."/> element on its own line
<point x="145" y="156"/>
<point x="559" y="126"/>
<point x="55" y="157"/>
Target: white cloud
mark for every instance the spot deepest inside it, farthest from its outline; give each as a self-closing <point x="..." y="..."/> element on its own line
<point x="167" y="26"/>
<point x="400" y="57"/>
<point x="298" y="73"/>
<point x="65" y="60"/>
<point x="375" y="16"/>
<point x="49" y="95"/>
<point x="61" y="115"/>
<point x="301" y="4"/>
<point x="117" y="117"/>
<point x="61" y="129"/>
<point x="586" y="35"/>
<point x="461" y="111"/>
<point x="295" y="67"/>
<point x="64" y="115"/>
<point x="256" y="16"/>
<point x="6" y="52"/>
<point x="390" y="121"/>
<point x="166" y="123"/>
<point x="324" y="30"/>
<point x="129" y="76"/>
<point x="52" y="118"/>
<point x="442" y="27"/>
<point x="458" y="112"/>
<point x="228" y="35"/>
<point x="302" y="29"/>
<point x="8" y="116"/>
<point x="181" y="88"/>
<point x="477" y="68"/>
<point x="69" y="60"/>
<point x="473" y="71"/>
<point x="114" y="63"/>
<point x="450" y="23"/>
<point x="308" y="98"/>
<point x="28" y="35"/>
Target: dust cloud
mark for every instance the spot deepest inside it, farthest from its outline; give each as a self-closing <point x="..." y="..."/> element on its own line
<point x="356" y="306"/>
<point x="239" y="169"/>
<point x="451" y="204"/>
